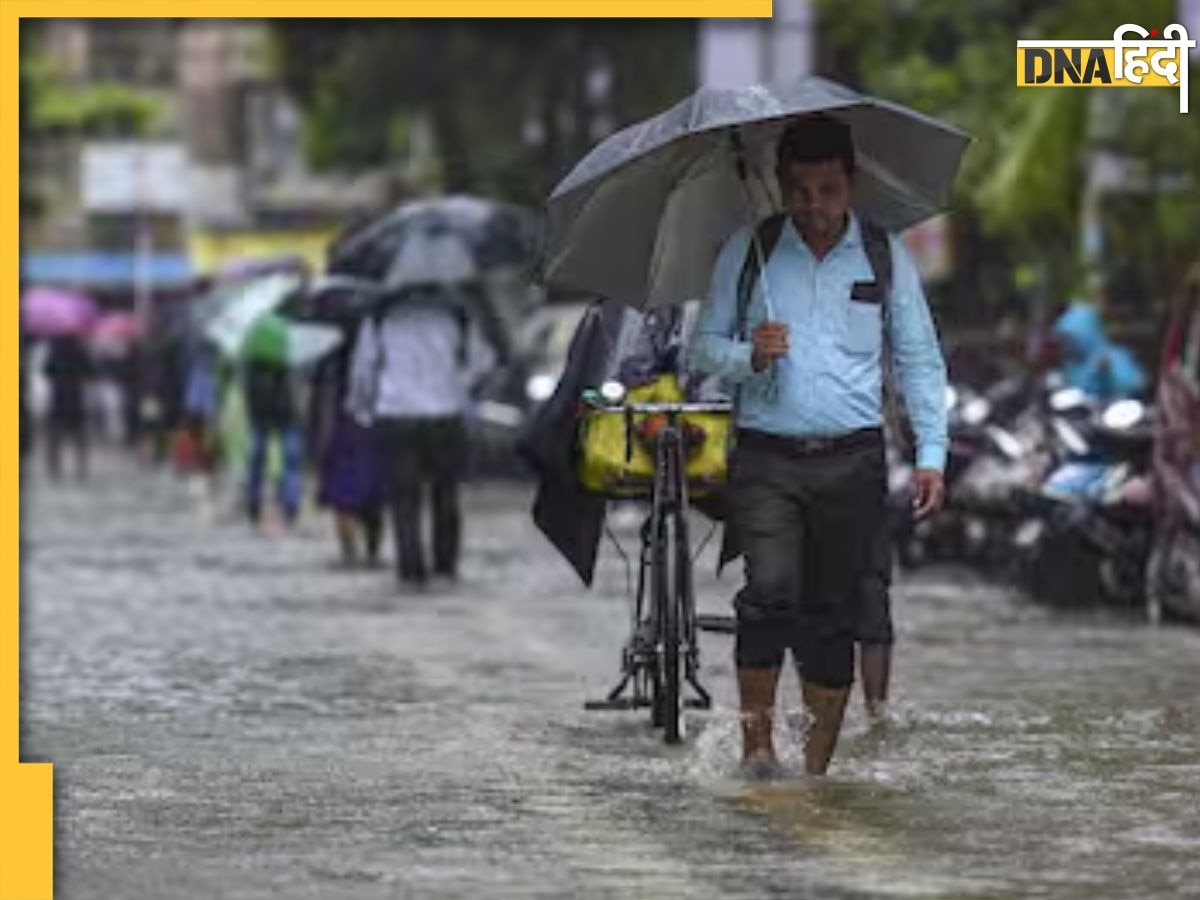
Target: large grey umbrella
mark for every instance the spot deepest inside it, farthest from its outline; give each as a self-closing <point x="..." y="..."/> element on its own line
<point x="642" y="217"/>
<point x="496" y="234"/>
<point x="431" y="259"/>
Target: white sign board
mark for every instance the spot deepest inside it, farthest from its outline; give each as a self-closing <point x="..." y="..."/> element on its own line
<point x="128" y="176"/>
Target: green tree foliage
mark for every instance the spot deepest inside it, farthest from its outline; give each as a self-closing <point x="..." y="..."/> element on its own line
<point x="1019" y="197"/>
<point x="511" y="104"/>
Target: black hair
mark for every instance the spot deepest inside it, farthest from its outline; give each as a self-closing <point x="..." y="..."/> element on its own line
<point x="816" y="138"/>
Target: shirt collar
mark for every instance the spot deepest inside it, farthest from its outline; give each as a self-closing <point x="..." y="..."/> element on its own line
<point x="851" y="237"/>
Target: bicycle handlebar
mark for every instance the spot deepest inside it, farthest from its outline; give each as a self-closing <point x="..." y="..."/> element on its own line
<point x="711" y="406"/>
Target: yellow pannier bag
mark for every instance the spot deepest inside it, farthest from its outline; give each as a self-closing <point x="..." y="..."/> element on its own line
<point x="616" y="456"/>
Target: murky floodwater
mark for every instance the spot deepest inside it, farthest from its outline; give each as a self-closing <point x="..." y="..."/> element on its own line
<point x="231" y="718"/>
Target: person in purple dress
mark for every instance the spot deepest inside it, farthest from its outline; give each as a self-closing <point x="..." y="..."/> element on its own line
<point x="350" y="470"/>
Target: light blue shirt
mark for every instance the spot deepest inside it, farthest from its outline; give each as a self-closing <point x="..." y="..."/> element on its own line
<point x="830" y="382"/>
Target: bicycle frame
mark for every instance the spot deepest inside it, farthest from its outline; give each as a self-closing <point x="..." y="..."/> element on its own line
<point x="662" y="651"/>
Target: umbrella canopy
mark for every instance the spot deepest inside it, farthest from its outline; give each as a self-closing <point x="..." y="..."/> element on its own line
<point x="240" y="308"/>
<point x="642" y="217"/>
<point x="307" y="343"/>
<point x="338" y="298"/>
<point x="113" y="334"/>
<point x="275" y="340"/>
<point x="243" y="267"/>
<point x="117" y="327"/>
<point x="431" y="258"/>
<point x="54" y="312"/>
<point x="493" y="234"/>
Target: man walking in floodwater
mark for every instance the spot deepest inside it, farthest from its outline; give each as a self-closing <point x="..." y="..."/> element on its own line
<point x="808" y="480"/>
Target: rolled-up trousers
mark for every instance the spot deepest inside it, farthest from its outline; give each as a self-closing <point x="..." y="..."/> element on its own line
<point x="807" y="522"/>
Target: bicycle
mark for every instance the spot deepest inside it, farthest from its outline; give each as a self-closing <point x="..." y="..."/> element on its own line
<point x="662" y="652"/>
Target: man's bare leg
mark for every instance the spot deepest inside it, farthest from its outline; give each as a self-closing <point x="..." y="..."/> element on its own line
<point x="347" y="532"/>
<point x="875" y="667"/>
<point x="826" y="706"/>
<point x="757" y="690"/>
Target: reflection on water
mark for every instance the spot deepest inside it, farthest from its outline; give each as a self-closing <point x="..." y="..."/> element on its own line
<point x="230" y="718"/>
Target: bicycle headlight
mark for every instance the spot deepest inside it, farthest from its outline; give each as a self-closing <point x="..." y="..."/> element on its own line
<point x="613" y="392"/>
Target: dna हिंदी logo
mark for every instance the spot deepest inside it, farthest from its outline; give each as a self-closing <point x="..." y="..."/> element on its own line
<point x="1121" y="62"/>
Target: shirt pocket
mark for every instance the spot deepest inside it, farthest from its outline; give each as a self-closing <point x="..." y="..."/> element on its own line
<point x="862" y="326"/>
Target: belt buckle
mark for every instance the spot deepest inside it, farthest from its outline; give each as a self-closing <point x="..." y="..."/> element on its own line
<point x="813" y="445"/>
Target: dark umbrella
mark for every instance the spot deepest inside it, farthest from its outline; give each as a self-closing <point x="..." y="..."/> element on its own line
<point x="642" y="217"/>
<point x="495" y="234"/>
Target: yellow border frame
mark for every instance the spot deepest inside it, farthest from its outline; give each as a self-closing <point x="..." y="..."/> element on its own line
<point x="26" y="789"/>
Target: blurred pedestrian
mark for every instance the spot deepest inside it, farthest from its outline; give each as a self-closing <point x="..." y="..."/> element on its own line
<point x="68" y="368"/>
<point x="415" y="365"/>
<point x="350" y="465"/>
<point x="201" y="404"/>
<point x="271" y="411"/>
<point x="1092" y="363"/>
<point x="26" y="419"/>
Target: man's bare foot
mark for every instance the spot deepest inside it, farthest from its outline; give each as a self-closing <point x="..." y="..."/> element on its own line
<point x="761" y="766"/>
<point x="878" y="714"/>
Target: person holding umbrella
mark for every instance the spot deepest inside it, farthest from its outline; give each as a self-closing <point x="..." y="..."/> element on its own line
<point x="779" y="204"/>
<point x="809" y="479"/>
<point x="61" y="318"/>
<point x="416" y="362"/>
<point x="350" y="466"/>
<point x="273" y="415"/>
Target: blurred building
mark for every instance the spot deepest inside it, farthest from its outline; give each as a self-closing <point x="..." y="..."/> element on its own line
<point x="738" y="52"/>
<point x="218" y="174"/>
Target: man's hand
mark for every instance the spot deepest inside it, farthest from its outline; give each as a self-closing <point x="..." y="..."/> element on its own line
<point x="929" y="490"/>
<point x="770" y="343"/>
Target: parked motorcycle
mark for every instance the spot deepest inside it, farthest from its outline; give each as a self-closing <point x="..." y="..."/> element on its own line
<point x="1086" y="531"/>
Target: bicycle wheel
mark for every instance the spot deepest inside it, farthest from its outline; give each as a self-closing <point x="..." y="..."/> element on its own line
<point x="659" y="589"/>
<point x="672" y="634"/>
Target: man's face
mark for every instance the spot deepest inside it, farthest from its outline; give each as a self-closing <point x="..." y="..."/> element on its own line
<point x="817" y="196"/>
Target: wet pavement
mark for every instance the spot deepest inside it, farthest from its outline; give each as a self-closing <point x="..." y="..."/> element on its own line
<point x="229" y="717"/>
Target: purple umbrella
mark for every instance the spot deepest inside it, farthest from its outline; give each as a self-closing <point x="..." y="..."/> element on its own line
<point x="53" y="312"/>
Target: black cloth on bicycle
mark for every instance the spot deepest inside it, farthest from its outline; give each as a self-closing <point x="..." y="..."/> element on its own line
<point x="800" y="510"/>
<point x="611" y="341"/>
<point x="570" y="517"/>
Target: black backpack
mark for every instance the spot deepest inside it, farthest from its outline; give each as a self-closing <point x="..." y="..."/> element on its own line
<point x="268" y="394"/>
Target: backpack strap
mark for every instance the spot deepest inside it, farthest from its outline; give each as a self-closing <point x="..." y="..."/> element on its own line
<point x="766" y="237"/>
<point x="877" y="246"/>
<point x="758" y="253"/>
<point x="879" y="254"/>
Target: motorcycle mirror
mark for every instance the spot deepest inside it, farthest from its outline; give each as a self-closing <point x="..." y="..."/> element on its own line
<point x="1066" y="399"/>
<point x="1123" y="414"/>
<point x="1070" y="438"/>
<point x="976" y="411"/>
<point x="1006" y="443"/>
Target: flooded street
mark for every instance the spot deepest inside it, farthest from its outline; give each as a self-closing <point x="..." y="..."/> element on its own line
<point x="230" y="717"/>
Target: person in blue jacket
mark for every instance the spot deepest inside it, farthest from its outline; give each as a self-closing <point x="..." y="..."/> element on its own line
<point x="1103" y="370"/>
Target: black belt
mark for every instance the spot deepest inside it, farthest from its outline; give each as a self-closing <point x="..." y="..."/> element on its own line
<point x="810" y="446"/>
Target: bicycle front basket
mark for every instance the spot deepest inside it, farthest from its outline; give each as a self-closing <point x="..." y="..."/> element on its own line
<point x="615" y="460"/>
